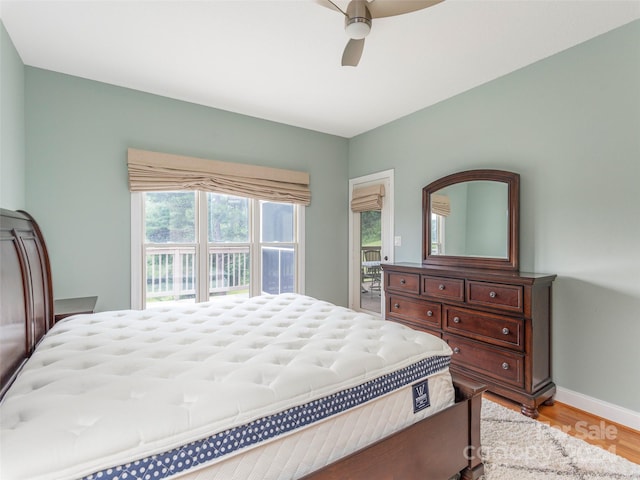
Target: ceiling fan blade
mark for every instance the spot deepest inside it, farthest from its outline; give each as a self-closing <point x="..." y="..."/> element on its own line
<point x="330" y="5"/>
<point x="352" y="52"/>
<point x="389" y="8"/>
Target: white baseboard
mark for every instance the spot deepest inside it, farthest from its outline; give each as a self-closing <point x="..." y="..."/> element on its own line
<point x="609" y="411"/>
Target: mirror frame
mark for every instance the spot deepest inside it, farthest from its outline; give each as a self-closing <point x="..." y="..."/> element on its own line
<point x="513" y="242"/>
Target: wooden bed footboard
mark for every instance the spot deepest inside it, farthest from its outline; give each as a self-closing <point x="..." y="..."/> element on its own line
<point x="436" y="448"/>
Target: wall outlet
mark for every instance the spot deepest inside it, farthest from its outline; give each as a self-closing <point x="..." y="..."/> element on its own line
<point x="397" y="241"/>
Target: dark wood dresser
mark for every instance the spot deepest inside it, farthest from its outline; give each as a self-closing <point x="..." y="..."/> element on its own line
<point x="498" y="323"/>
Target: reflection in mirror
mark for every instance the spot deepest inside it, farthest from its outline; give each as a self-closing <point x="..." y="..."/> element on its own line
<point x="470" y="219"/>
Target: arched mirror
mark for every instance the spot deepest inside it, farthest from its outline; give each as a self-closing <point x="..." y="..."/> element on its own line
<point x="470" y="219"/>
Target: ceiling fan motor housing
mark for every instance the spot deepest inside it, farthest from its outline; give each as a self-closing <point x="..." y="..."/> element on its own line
<point x="357" y="22"/>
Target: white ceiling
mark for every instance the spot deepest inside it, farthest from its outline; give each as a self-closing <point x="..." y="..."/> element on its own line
<point x="280" y="60"/>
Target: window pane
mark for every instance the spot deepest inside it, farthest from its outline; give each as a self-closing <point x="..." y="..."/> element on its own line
<point x="228" y="218"/>
<point x="229" y="271"/>
<point x="170" y="274"/>
<point x="277" y="222"/>
<point x="170" y="217"/>
<point x="278" y="270"/>
<point x="370" y="272"/>
<point x="370" y="228"/>
<point x="436" y="234"/>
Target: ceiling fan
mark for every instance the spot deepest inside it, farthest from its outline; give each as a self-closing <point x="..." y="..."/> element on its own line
<point x="359" y="15"/>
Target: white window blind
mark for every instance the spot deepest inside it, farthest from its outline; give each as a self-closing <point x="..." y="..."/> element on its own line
<point x="440" y="205"/>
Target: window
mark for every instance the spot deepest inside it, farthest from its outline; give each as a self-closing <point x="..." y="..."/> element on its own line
<point x="437" y="234"/>
<point x="193" y="246"/>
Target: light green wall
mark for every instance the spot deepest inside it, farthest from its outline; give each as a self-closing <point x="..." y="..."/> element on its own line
<point x="78" y="135"/>
<point x="12" y="125"/>
<point x="570" y="125"/>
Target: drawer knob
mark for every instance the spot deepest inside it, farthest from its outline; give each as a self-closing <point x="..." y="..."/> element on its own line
<point x="456" y="319"/>
<point x="396" y="305"/>
<point x="505" y="366"/>
<point x="456" y="350"/>
<point x="505" y="330"/>
<point x="429" y="313"/>
<point x="492" y="294"/>
<point x="402" y="281"/>
<point x="441" y="287"/>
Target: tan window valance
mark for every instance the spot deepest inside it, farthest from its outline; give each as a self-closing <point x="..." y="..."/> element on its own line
<point x="440" y="205"/>
<point x="153" y="172"/>
<point x="364" y="199"/>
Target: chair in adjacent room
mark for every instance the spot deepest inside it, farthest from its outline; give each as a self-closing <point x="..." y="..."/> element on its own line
<point x="371" y="269"/>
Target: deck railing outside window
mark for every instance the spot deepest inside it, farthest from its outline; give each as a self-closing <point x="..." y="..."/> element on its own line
<point x="172" y="271"/>
<point x="229" y="270"/>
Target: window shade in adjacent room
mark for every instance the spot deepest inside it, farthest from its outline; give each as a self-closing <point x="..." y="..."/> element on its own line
<point x="365" y="199"/>
<point x="153" y="172"/>
<point x="440" y="205"/>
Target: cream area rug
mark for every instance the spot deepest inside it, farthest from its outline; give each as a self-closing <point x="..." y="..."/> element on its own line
<point x="515" y="447"/>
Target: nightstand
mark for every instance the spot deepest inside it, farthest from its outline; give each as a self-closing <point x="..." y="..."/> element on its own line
<point x="66" y="307"/>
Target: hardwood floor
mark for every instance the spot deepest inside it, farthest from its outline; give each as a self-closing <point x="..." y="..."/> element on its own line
<point x="618" y="439"/>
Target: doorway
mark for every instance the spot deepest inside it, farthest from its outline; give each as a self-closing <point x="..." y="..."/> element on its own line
<point x="370" y="239"/>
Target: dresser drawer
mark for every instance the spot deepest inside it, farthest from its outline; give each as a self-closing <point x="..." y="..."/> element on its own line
<point x="417" y="312"/>
<point x="445" y="288"/>
<point x="494" y="329"/>
<point x="503" y="366"/>
<point x="404" y="282"/>
<point x="506" y="297"/>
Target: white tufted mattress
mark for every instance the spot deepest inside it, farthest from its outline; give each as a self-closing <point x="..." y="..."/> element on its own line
<point x="237" y="388"/>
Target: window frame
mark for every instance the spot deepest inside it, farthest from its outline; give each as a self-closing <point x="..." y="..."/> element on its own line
<point x="138" y="279"/>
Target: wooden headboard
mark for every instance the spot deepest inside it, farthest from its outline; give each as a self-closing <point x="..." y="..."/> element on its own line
<point x="26" y="295"/>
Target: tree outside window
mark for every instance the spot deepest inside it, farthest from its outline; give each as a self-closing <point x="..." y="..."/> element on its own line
<point x="200" y="245"/>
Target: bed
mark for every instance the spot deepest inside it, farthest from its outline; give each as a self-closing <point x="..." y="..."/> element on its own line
<point x="272" y="387"/>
